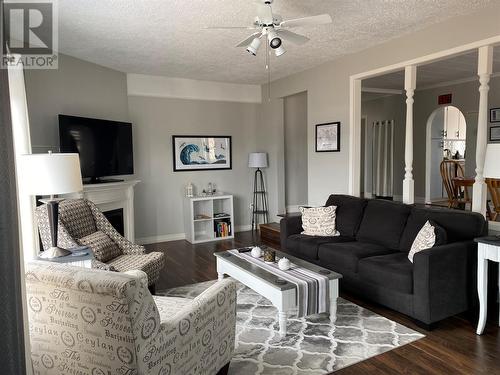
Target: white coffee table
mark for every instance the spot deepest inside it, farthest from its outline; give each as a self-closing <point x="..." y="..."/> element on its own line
<point x="282" y="294"/>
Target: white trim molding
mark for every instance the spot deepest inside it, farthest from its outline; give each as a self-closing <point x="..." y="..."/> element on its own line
<point x="180" y="236"/>
<point x="160" y="238"/>
<point x="183" y="88"/>
<point x="375" y="90"/>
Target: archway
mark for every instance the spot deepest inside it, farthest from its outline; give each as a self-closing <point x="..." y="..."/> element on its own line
<point x="445" y="139"/>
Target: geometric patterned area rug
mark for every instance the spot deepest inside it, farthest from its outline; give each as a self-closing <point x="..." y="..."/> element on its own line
<point x="313" y="345"/>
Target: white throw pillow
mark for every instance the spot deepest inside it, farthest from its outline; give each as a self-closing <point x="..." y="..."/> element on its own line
<point x="319" y="221"/>
<point x="425" y="239"/>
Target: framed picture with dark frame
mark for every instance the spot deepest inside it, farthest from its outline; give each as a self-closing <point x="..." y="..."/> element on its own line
<point x="495" y="115"/>
<point x="495" y="134"/>
<point x="328" y="137"/>
<point x="201" y="152"/>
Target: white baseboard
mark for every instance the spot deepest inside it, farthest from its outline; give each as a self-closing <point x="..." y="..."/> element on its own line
<point x="243" y="228"/>
<point x="160" y="238"/>
<point x="179" y="236"/>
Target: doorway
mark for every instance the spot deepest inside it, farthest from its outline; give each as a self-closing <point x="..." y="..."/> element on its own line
<point x="446" y="140"/>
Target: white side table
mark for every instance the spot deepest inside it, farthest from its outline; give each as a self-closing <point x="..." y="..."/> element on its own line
<point x="488" y="249"/>
<point x="75" y="259"/>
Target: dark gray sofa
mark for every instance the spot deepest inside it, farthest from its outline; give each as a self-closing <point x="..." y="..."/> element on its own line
<point x="371" y="254"/>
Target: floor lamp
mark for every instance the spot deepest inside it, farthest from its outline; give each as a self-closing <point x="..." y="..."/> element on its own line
<point x="51" y="174"/>
<point x="259" y="206"/>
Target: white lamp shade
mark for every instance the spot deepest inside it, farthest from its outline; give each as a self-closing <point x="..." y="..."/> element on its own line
<point x="492" y="161"/>
<point x="50" y="174"/>
<point x="257" y="160"/>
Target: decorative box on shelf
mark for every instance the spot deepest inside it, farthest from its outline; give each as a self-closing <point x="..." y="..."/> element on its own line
<point x="208" y="218"/>
<point x="80" y="257"/>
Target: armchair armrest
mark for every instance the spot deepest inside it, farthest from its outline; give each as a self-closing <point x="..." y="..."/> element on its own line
<point x="289" y="225"/>
<point x="199" y="339"/>
<point x="443" y="280"/>
<point x="102" y="266"/>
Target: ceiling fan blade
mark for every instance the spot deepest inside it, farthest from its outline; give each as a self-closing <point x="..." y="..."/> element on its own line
<point x="293" y="37"/>
<point x="265" y="13"/>
<point x="248" y="40"/>
<point x="231" y="28"/>
<point x="322" y="19"/>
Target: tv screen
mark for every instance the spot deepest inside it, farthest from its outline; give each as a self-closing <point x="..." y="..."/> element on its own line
<point x="105" y="147"/>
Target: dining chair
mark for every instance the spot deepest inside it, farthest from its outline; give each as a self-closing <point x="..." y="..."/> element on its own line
<point x="456" y="196"/>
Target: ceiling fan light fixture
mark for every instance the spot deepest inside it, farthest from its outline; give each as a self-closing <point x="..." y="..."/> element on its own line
<point x="274" y="39"/>
<point x="279" y="51"/>
<point x="254" y="46"/>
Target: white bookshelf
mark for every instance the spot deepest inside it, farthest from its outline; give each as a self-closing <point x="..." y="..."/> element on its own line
<point x="201" y="222"/>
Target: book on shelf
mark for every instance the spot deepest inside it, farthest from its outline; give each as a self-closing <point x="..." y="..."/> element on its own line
<point x="222" y="229"/>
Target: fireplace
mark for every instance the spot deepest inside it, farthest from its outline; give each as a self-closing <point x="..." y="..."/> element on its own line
<point x="115" y="217"/>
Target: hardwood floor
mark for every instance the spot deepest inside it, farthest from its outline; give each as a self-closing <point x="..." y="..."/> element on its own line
<point x="452" y="348"/>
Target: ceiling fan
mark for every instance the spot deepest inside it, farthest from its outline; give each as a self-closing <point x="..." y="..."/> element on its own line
<point x="272" y="28"/>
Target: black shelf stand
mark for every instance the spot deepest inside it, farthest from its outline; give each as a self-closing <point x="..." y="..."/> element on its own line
<point x="259" y="206"/>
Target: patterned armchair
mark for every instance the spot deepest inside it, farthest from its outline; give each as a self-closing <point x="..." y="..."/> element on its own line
<point x="99" y="323"/>
<point x="82" y="224"/>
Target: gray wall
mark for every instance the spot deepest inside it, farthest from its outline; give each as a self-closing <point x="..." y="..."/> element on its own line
<point x="328" y="90"/>
<point x="295" y="132"/>
<point x="159" y="197"/>
<point x="77" y="88"/>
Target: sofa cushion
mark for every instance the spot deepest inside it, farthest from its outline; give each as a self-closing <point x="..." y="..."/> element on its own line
<point x="459" y="225"/>
<point x="349" y="213"/>
<point x="393" y="271"/>
<point x="319" y="221"/>
<point x="383" y="223"/>
<point x="103" y="247"/>
<point x="345" y="256"/>
<point x="307" y="246"/>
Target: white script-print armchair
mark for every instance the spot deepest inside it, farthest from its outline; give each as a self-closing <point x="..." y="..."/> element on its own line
<point x="89" y="321"/>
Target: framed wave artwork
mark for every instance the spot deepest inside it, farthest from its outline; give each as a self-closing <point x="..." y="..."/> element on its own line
<point x="199" y="152"/>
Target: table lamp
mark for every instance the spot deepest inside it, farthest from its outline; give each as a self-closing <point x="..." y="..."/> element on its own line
<point x="258" y="160"/>
<point x="51" y="174"/>
<point x="491" y="162"/>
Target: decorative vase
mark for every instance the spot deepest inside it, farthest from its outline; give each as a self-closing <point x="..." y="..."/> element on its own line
<point x="269" y="256"/>
<point x="284" y="264"/>
<point x="256" y="252"/>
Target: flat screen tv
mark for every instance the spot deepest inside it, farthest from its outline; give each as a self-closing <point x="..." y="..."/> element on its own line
<point x="105" y="147"/>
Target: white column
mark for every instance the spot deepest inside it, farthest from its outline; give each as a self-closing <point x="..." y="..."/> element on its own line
<point x="355" y="138"/>
<point x="484" y="69"/>
<point x="409" y="183"/>
<point x="22" y="145"/>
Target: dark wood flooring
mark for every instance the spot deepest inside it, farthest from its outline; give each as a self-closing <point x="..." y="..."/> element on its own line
<point x="452" y="348"/>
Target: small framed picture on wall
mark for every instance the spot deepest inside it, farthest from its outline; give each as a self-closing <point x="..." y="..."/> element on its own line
<point x="495" y="115"/>
<point x="495" y="134"/>
<point x="328" y="137"/>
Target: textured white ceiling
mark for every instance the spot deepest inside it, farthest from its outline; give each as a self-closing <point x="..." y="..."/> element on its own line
<point x="166" y="37"/>
<point x="448" y="70"/>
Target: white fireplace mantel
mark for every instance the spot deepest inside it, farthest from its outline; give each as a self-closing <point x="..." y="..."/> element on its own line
<point x="111" y="196"/>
